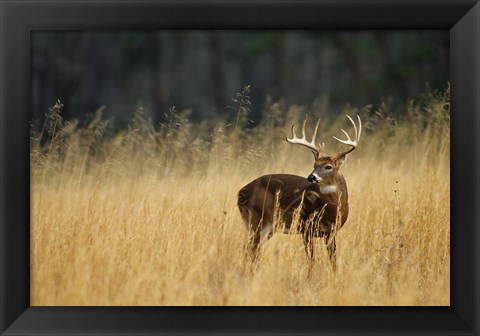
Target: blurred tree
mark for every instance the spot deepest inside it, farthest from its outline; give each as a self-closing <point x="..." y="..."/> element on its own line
<point x="277" y="50"/>
<point x="202" y="70"/>
<point x="216" y="68"/>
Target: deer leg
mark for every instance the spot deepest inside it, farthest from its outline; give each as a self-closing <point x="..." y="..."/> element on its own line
<point x="308" y="244"/>
<point x="257" y="239"/>
<point x="252" y="246"/>
<point x="332" y="250"/>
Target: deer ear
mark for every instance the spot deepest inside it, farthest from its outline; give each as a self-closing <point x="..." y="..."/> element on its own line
<point x="315" y="155"/>
<point x="340" y="160"/>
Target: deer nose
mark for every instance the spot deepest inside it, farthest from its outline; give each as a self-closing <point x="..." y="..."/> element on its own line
<point x="312" y="178"/>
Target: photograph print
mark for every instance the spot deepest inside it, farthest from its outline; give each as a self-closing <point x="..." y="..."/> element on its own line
<point x="240" y="168"/>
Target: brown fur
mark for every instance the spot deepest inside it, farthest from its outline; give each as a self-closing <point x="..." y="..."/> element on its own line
<point x="257" y="201"/>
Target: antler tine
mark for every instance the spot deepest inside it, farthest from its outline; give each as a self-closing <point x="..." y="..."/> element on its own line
<point x="293" y="132"/>
<point x="303" y="140"/>
<point x="303" y="127"/>
<point x="349" y="141"/>
<point x="320" y="147"/>
<point x="360" y="127"/>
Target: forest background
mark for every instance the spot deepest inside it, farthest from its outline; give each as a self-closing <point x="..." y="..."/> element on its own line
<point x="201" y="70"/>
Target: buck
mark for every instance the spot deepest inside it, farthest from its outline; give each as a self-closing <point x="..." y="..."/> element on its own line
<point x="316" y="206"/>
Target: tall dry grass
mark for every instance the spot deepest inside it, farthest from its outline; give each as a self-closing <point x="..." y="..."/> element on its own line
<point x="147" y="216"/>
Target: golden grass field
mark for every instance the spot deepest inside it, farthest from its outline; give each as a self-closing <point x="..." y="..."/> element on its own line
<point x="148" y="216"/>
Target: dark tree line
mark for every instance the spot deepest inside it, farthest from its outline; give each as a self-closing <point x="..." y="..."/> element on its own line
<point x="201" y="70"/>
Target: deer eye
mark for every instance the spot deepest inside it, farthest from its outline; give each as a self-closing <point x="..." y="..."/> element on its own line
<point x="328" y="167"/>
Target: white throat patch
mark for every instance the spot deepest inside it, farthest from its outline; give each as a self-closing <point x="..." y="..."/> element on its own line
<point x="328" y="189"/>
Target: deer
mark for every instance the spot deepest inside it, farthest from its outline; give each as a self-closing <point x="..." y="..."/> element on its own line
<point x="316" y="206"/>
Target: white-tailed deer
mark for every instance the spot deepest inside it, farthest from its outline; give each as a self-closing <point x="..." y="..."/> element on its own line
<point x="316" y="206"/>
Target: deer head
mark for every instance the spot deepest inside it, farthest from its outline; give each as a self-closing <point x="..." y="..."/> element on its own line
<point x="326" y="168"/>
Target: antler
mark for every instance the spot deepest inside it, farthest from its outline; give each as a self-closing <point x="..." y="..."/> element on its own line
<point x="349" y="141"/>
<point x="317" y="149"/>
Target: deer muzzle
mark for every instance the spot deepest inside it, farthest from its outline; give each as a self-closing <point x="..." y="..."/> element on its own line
<point x="314" y="178"/>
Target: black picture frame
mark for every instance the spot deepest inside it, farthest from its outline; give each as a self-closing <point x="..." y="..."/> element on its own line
<point x="19" y="18"/>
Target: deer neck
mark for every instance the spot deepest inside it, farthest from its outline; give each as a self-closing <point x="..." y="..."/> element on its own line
<point x="332" y="186"/>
